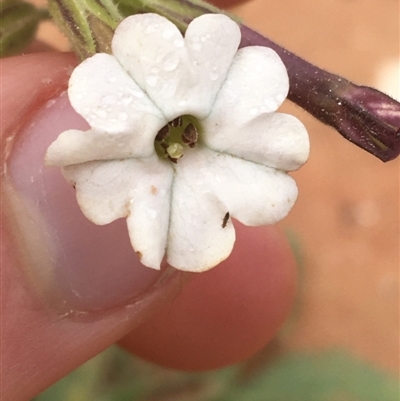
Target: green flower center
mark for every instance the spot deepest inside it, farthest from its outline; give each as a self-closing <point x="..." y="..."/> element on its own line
<point x="171" y="140"/>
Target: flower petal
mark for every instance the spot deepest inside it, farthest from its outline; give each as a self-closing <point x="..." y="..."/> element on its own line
<point x="74" y="147"/>
<point x="212" y="42"/>
<point x="197" y="240"/>
<point x="137" y="189"/>
<point x="208" y="185"/>
<point x="253" y="194"/>
<point x="241" y="122"/>
<point x="124" y="120"/>
<point x="106" y="96"/>
<point x="182" y="76"/>
<point x="275" y="140"/>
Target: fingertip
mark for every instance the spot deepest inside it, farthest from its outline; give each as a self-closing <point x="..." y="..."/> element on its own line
<point x="27" y="82"/>
<point x="72" y="262"/>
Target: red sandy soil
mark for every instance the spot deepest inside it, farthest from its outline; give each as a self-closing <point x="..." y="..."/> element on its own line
<point x="347" y="215"/>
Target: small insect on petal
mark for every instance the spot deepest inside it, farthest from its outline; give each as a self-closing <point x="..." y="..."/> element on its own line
<point x="162" y="134"/>
<point x="177" y="122"/>
<point x="190" y="135"/>
<point x="225" y="220"/>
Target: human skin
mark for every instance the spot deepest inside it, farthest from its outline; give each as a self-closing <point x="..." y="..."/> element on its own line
<point x="47" y="330"/>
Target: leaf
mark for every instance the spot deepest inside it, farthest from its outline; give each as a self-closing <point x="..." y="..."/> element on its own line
<point x="318" y="377"/>
<point x="18" y="25"/>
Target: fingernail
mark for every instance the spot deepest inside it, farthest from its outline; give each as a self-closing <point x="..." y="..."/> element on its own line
<point x="77" y="265"/>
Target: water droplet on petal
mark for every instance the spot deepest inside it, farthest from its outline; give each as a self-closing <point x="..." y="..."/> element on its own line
<point x="138" y="94"/>
<point x="108" y="99"/>
<point x="179" y="42"/>
<point x="214" y="76"/>
<point x="154" y="70"/>
<point x="150" y="28"/>
<point x="127" y="99"/>
<point x="168" y="33"/>
<point x="196" y="47"/>
<point x="280" y="97"/>
<point x="101" y="113"/>
<point x="171" y="64"/>
<point x="270" y="104"/>
<point x="152" y="80"/>
<point x="123" y="116"/>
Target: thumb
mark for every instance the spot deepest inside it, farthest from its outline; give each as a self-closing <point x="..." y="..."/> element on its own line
<point x="69" y="288"/>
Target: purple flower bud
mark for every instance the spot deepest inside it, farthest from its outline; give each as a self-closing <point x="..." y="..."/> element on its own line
<point x="368" y="118"/>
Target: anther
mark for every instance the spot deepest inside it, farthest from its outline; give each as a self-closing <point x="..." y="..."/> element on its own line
<point x="177" y="122"/>
<point x="162" y="134"/>
<point x="190" y="135"/>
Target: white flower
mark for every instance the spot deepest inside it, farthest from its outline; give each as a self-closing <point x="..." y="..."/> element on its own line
<point x="182" y="206"/>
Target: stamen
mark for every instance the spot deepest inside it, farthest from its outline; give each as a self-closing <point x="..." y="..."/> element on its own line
<point x="171" y="139"/>
<point x="177" y="122"/>
<point x="163" y="133"/>
<point x="190" y="135"/>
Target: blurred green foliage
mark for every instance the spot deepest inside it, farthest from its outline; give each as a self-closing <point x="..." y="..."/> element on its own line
<point x="330" y="376"/>
<point x="19" y="21"/>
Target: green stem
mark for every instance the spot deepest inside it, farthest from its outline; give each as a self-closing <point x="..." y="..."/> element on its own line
<point x="88" y="24"/>
<point x="180" y="12"/>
